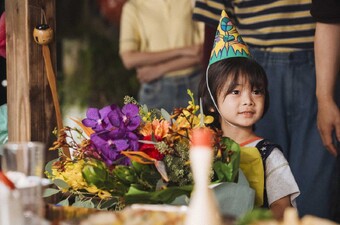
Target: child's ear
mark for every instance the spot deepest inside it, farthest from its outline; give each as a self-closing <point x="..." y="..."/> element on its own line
<point x="211" y="109"/>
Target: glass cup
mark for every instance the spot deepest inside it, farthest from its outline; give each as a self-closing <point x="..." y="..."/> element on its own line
<point x="23" y="162"/>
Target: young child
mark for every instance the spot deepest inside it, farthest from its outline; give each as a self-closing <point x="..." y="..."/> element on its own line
<point x="234" y="92"/>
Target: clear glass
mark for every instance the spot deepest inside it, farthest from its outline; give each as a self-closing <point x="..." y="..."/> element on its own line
<point x="10" y="211"/>
<point x="23" y="163"/>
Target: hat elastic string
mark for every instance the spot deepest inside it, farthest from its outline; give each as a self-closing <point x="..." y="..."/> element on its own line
<point x="213" y="100"/>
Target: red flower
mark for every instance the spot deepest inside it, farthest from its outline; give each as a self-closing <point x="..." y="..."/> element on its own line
<point x="150" y="149"/>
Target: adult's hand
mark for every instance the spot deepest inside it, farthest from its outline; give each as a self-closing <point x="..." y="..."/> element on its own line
<point x="327" y="64"/>
<point x="329" y="122"/>
<point x="147" y="74"/>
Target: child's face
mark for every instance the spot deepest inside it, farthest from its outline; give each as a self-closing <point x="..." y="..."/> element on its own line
<point x="243" y="106"/>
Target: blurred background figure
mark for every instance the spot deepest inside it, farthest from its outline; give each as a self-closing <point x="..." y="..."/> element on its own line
<point x="159" y="39"/>
<point x="327" y="62"/>
<point x="280" y="36"/>
<point x="111" y="10"/>
<point x="3" y="84"/>
<point x="3" y="94"/>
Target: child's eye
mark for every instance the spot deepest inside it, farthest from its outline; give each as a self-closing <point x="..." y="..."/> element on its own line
<point x="257" y="92"/>
<point x="235" y="92"/>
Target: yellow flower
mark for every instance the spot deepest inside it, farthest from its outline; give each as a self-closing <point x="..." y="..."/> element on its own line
<point x="92" y="189"/>
<point x="71" y="174"/>
<point x="104" y="194"/>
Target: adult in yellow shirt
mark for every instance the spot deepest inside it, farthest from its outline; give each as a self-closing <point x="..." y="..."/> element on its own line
<point x="159" y="39"/>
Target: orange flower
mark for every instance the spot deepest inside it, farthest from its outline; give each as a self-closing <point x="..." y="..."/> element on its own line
<point x="157" y="127"/>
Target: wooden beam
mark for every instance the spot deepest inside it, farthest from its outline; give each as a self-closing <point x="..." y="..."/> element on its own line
<point x="19" y="109"/>
<point x="31" y="115"/>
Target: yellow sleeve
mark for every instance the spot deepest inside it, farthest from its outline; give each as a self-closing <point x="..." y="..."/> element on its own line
<point x="129" y="35"/>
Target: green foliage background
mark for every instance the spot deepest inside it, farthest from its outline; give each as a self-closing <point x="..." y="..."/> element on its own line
<point x="100" y="78"/>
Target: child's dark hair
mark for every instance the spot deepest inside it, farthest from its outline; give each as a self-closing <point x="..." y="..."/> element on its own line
<point x="231" y="68"/>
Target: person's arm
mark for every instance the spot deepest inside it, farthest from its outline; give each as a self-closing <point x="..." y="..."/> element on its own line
<point x="281" y="187"/>
<point x="327" y="62"/>
<point x="135" y="59"/>
<point x="278" y="207"/>
<point x="148" y="73"/>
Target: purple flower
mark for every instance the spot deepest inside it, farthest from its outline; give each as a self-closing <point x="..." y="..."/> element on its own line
<point x="109" y="145"/>
<point x="131" y="116"/>
<point x="96" y="119"/>
<point x="133" y="141"/>
<point x="127" y="118"/>
<point x="115" y="131"/>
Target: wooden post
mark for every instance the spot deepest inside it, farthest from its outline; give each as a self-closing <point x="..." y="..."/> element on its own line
<point x="31" y="114"/>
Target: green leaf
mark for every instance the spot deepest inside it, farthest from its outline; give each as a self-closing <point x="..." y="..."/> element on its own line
<point x="140" y="167"/>
<point x="64" y="202"/>
<point x="227" y="167"/>
<point x="161" y="185"/>
<point x="160" y="166"/>
<point x="95" y="174"/>
<point x="84" y="204"/>
<point x="169" y="194"/>
<point x="165" y="196"/>
<point x="125" y="174"/>
<point x="258" y="214"/>
<point x="49" y="192"/>
<point x="116" y="187"/>
<point x="60" y="183"/>
<point x="166" y="115"/>
<point x="147" y="173"/>
<point x="145" y="108"/>
<point x="48" y="166"/>
<point x="109" y="203"/>
<point x="225" y="172"/>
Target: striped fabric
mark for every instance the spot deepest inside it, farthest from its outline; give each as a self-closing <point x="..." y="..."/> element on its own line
<point x="276" y="25"/>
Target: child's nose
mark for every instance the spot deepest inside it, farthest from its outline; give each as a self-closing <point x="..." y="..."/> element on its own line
<point x="247" y="99"/>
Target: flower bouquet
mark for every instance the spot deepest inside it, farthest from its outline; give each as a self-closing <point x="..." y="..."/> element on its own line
<point x="133" y="154"/>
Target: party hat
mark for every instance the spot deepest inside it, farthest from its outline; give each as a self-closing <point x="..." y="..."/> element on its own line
<point x="228" y="42"/>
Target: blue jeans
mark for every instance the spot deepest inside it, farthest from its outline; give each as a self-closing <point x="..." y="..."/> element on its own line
<point x="291" y="122"/>
<point x="169" y="92"/>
